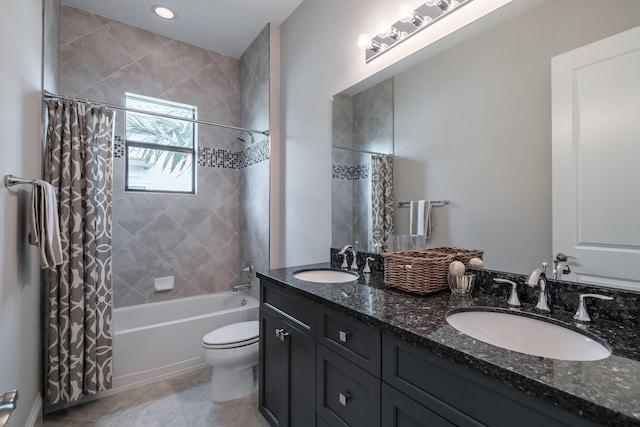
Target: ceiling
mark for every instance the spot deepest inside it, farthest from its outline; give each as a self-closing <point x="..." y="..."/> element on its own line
<point x="223" y="26"/>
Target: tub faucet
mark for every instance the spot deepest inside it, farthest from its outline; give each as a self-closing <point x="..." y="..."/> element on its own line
<point x="236" y="288"/>
<point x="539" y="278"/>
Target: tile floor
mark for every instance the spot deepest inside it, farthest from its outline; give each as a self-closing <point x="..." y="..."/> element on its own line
<point x="176" y="402"/>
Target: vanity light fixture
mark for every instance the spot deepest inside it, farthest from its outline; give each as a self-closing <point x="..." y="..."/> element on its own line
<point x="163" y="12"/>
<point x="444" y="5"/>
<point x="410" y="21"/>
<point x="384" y="30"/>
<point x="365" y="42"/>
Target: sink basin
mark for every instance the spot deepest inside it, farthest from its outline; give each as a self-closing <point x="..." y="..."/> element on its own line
<point x="527" y="335"/>
<point x="326" y="275"/>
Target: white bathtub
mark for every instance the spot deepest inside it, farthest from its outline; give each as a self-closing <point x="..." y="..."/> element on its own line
<point x="156" y="340"/>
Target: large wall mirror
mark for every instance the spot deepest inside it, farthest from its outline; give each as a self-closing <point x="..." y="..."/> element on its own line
<point x="473" y="125"/>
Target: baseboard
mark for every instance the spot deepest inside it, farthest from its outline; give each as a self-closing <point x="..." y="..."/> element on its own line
<point x="35" y="413"/>
<point x="121" y="384"/>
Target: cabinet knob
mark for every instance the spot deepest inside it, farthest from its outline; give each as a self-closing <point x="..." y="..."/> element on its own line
<point x="344" y="335"/>
<point x="344" y="398"/>
<point x="281" y="334"/>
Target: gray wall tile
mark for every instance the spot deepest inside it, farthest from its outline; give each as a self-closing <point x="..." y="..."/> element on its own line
<point x="195" y="238"/>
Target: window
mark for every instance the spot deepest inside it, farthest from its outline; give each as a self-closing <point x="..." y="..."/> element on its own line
<point x="160" y="151"/>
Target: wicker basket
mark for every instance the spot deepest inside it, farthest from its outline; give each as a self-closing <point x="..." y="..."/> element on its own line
<point x="462" y="255"/>
<point x="418" y="272"/>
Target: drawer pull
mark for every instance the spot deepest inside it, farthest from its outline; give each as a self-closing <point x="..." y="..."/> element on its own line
<point x="344" y="398"/>
<point x="281" y="334"/>
<point x="344" y="335"/>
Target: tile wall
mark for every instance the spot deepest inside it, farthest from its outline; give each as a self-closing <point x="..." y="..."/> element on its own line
<point x="360" y="122"/>
<point x="254" y="178"/>
<point x="194" y="238"/>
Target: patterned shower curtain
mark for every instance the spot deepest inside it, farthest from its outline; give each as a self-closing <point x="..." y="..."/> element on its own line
<point x="78" y="163"/>
<point x="381" y="198"/>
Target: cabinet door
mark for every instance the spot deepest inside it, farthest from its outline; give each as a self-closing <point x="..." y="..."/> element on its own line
<point x="302" y="381"/>
<point x="347" y="395"/>
<point x="274" y="371"/>
<point x="399" y="410"/>
<point x="287" y="373"/>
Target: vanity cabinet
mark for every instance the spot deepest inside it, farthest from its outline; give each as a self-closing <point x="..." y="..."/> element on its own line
<point x="459" y="395"/>
<point x="287" y="393"/>
<point x="319" y="367"/>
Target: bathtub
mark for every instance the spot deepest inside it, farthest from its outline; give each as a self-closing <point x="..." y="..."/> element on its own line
<point x="156" y="340"/>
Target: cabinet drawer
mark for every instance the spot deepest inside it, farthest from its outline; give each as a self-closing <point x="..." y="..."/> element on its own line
<point x="294" y="307"/>
<point x="461" y="395"/>
<point x="347" y="395"/>
<point x="399" y="410"/>
<point x="350" y="338"/>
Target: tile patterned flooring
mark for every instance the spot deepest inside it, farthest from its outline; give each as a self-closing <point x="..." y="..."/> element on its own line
<point x="175" y="402"/>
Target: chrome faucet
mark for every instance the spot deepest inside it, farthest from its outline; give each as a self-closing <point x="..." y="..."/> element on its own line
<point x="539" y="278"/>
<point x="560" y="265"/>
<point x="343" y="252"/>
<point x="7" y="405"/>
<point x="513" y="300"/>
<point x="582" y="315"/>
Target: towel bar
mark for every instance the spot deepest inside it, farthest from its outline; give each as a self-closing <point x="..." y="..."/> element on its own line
<point x="10" y="181"/>
<point x="434" y="203"/>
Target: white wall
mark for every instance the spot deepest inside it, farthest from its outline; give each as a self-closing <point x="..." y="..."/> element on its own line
<point x="320" y="58"/>
<point x="20" y="113"/>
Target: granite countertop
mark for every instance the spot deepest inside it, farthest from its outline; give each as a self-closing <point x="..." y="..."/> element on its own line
<point x="605" y="391"/>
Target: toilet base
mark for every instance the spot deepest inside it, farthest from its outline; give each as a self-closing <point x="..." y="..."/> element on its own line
<point x="229" y="384"/>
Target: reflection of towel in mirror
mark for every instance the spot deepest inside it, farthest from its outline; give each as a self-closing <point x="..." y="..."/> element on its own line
<point x="44" y="224"/>
<point x="420" y="221"/>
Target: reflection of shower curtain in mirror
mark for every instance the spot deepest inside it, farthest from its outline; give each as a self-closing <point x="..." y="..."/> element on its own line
<point x="381" y="199"/>
<point x="78" y="163"/>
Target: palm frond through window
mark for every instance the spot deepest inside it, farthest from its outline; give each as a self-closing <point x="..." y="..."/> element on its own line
<point x="160" y="150"/>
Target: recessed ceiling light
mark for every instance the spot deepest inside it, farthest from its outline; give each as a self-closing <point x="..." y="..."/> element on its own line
<point x="163" y="12"/>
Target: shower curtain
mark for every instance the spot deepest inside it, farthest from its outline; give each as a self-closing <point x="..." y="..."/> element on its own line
<point x="381" y="199"/>
<point x="78" y="163"/>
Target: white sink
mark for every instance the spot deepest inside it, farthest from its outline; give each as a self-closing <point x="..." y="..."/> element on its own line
<point x="326" y="276"/>
<point x="527" y="335"/>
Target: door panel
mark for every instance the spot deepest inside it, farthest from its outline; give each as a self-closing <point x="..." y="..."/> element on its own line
<point x="596" y="147"/>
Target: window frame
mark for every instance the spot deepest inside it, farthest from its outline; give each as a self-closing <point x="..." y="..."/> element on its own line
<point x="135" y="144"/>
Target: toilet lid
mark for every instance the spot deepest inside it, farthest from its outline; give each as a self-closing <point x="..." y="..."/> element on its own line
<point x="237" y="333"/>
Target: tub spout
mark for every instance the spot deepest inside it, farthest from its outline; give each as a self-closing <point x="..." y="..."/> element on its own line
<point x="236" y="288"/>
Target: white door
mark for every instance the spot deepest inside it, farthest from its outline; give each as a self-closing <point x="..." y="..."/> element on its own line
<point x="596" y="160"/>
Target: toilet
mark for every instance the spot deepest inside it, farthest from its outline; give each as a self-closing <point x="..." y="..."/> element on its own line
<point x="232" y="350"/>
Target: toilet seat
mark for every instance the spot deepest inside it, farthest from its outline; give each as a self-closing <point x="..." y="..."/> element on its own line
<point x="232" y="336"/>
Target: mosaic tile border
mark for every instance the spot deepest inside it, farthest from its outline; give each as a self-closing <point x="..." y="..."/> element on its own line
<point x="214" y="157"/>
<point x="350" y="173"/>
<point x="217" y="158"/>
<point x="118" y="147"/>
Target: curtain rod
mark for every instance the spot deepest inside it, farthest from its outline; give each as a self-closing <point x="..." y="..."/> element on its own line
<point x="49" y="95"/>
<point x="355" y="150"/>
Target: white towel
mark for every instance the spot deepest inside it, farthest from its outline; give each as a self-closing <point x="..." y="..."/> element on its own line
<point x="420" y="221"/>
<point x="44" y="224"/>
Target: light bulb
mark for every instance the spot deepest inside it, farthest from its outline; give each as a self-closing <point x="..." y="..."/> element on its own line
<point x="364" y="41"/>
<point x="383" y="29"/>
<point x="405" y="12"/>
<point x="443" y="5"/>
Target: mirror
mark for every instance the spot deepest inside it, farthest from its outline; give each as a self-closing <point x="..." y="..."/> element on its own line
<point x="205" y="241"/>
<point x="362" y="130"/>
<point x="473" y="125"/>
